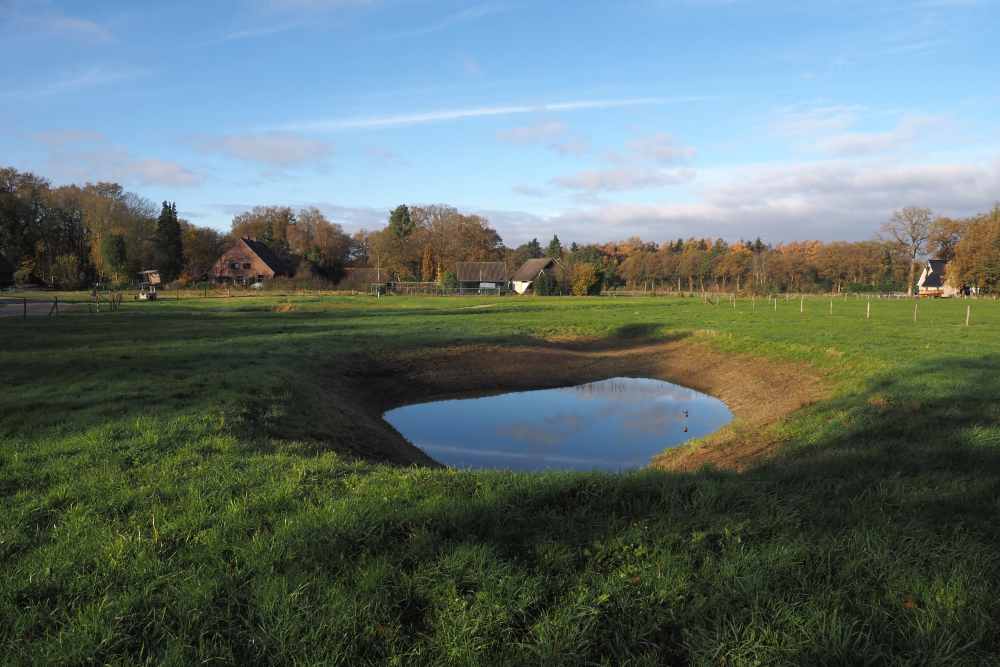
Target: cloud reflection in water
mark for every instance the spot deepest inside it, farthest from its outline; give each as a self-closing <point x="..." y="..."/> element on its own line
<point x="621" y="422"/>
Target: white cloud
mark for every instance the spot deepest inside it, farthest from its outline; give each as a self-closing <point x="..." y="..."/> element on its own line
<point x="828" y="131"/>
<point x="830" y="200"/>
<point x="90" y="156"/>
<point x="910" y="130"/>
<point x="817" y="122"/>
<point x="658" y="149"/>
<point x="531" y="134"/>
<point x="42" y="19"/>
<point x="528" y="191"/>
<point x="661" y="149"/>
<point x="281" y="149"/>
<point x="559" y="136"/>
<point x="626" y="178"/>
<point x="380" y="154"/>
<point x="90" y="78"/>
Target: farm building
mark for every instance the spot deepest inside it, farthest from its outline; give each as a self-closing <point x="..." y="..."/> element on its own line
<point x="932" y="281"/>
<point x="524" y="276"/>
<point x="249" y="261"/>
<point x="482" y="275"/>
<point x="6" y="273"/>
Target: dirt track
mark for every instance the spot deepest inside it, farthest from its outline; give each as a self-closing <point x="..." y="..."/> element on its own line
<point x="758" y="393"/>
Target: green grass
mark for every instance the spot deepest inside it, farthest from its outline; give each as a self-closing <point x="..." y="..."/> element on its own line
<point x="169" y="494"/>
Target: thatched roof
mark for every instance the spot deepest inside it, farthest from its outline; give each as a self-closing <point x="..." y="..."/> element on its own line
<point x="474" y="272"/>
<point x="934" y="276"/>
<point x="266" y="255"/>
<point x="530" y="269"/>
<point x="5" y="266"/>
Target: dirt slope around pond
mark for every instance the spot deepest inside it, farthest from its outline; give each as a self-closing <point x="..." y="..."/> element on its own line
<point x="759" y="393"/>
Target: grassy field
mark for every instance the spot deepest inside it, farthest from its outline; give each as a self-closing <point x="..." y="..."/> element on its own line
<point x="171" y="493"/>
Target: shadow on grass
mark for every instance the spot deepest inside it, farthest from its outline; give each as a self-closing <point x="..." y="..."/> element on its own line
<point x="873" y="540"/>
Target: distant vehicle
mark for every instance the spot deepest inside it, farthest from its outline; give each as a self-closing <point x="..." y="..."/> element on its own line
<point x="147" y="288"/>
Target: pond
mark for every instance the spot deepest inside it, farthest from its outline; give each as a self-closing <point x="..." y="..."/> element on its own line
<point x="606" y="425"/>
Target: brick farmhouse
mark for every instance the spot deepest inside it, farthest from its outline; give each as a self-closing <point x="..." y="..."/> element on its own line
<point x="247" y="262"/>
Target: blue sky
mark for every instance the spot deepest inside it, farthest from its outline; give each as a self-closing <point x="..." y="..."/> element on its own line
<point x="593" y="120"/>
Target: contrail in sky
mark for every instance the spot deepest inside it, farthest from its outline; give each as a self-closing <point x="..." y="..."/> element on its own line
<point x="375" y="122"/>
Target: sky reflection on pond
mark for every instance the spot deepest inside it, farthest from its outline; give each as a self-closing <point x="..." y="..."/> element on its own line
<point x="621" y="422"/>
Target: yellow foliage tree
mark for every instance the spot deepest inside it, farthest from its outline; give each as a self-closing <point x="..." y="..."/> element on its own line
<point x="428" y="268"/>
<point x="582" y="278"/>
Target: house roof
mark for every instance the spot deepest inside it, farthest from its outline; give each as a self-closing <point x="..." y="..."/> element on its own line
<point x="474" y="272"/>
<point x="266" y="255"/>
<point x="5" y="266"/>
<point x="933" y="275"/>
<point x="530" y="269"/>
<point x="152" y="276"/>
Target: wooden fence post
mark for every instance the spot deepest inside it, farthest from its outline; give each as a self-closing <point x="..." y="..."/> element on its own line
<point x="869" y="316"/>
<point x="915" y="306"/>
<point x="968" y="311"/>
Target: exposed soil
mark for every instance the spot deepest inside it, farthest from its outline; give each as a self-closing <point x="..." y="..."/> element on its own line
<point x="760" y="393"/>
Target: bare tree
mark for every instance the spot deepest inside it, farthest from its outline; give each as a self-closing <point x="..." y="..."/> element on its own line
<point x="911" y="227"/>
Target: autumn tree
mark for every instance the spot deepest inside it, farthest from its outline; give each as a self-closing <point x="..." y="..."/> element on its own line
<point x="911" y="227"/>
<point x="735" y="264"/>
<point x="320" y="245"/>
<point x="832" y="263"/>
<point x="202" y="248"/>
<point x="583" y="278"/>
<point x="977" y="253"/>
<point x="268" y="224"/>
<point x="428" y="267"/>
<point x="945" y="235"/>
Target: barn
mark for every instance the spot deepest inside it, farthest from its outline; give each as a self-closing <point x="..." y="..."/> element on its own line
<point x="482" y="275"/>
<point x="524" y="276"/>
<point x="248" y="261"/>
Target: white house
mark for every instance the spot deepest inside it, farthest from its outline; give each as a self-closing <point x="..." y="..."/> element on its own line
<point x="524" y="276"/>
<point x="933" y="281"/>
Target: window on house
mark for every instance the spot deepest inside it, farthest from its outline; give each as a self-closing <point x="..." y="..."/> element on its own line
<point x="234" y="265"/>
<point x="246" y="265"/>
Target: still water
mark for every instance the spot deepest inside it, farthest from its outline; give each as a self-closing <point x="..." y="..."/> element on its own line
<point x="621" y="422"/>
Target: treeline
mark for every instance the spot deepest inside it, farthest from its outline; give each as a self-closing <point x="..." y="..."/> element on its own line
<point x="886" y="263"/>
<point x="73" y="236"/>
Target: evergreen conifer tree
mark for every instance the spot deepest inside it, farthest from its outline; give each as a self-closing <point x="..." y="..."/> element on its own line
<point x="169" y="244"/>
<point x="114" y="252"/>
<point x="533" y="250"/>
<point x="554" y="248"/>
<point x="401" y="222"/>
